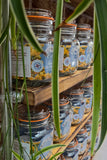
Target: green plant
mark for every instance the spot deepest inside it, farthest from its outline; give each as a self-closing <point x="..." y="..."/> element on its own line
<point x="100" y="64"/>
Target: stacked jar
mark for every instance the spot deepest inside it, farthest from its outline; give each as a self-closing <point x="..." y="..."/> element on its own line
<point x="69" y="51"/>
<point x="38" y="66"/>
<point x="72" y="150"/>
<point x="88" y="126"/>
<point x="82" y="140"/>
<point x="65" y="118"/>
<point x="41" y="130"/>
<point x="78" y="104"/>
<point x="88" y="95"/>
<point x="85" y="53"/>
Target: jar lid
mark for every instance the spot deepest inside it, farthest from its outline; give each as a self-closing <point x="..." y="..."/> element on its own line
<point x="75" y="92"/>
<point x="73" y="143"/>
<point x="87" y="85"/>
<point x="69" y="25"/>
<point x="37" y="113"/>
<point x="62" y="102"/>
<point x="89" y="121"/>
<point x="82" y="130"/>
<point x="39" y="18"/>
<point x="39" y="12"/>
<point x="84" y="27"/>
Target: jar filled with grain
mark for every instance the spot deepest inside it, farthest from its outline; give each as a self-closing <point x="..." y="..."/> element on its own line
<point x="69" y="50"/>
<point x="85" y="53"/>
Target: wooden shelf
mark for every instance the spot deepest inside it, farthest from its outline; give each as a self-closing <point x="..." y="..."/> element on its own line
<point x="73" y="132"/>
<point x="41" y="94"/>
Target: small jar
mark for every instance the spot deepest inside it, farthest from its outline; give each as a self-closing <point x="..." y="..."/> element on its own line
<point x="69" y="51"/>
<point x="88" y="126"/>
<point x="41" y="130"/>
<point x="85" y="53"/>
<point x="72" y="150"/>
<point x="78" y="104"/>
<point x="38" y="66"/>
<point x="65" y="118"/>
<point x="82" y="140"/>
<point x="88" y="95"/>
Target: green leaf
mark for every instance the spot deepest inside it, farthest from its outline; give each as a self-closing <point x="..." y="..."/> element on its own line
<point x="57" y="154"/>
<point x="13" y="31"/>
<point x="4" y="34"/>
<point x="101" y="12"/>
<point x="17" y="7"/>
<point x="83" y="5"/>
<point x="97" y="85"/>
<point x="68" y="1"/>
<point x="47" y="149"/>
<point x="55" y="70"/>
<point x="17" y="155"/>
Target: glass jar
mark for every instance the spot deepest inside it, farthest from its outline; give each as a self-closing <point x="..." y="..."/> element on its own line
<point x="88" y="96"/>
<point x="71" y="152"/>
<point x="38" y="66"/>
<point x="78" y="104"/>
<point x="41" y="130"/>
<point x="69" y="51"/>
<point x="65" y="118"/>
<point x="88" y="126"/>
<point x="82" y="140"/>
<point x="85" y="53"/>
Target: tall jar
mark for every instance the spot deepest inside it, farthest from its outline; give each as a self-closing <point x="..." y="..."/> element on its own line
<point x="85" y="53"/>
<point x="41" y="131"/>
<point x="38" y="66"/>
<point x="88" y="126"/>
<point x="88" y="95"/>
<point x="82" y="140"/>
<point x="71" y="152"/>
<point x="65" y="118"/>
<point x="78" y="104"/>
<point x="69" y="50"/>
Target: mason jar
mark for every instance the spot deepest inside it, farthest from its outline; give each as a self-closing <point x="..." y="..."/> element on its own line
<point x="82" y="140"/>
<point x="71" y="152"/>
<point x="38" y="66"/>
<point x="85" y="53"/>
<point x="88" y="126"/>
<point x="88" y="96"/>
<point x="41" y="130"/>
<point x="78" y="104"/>
<point x="65" y="118"/>
<point x="69" y="50"/>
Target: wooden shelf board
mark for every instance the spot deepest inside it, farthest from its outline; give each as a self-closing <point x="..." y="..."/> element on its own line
<point x="73" y="132"/>
<point x="41" y="94"/>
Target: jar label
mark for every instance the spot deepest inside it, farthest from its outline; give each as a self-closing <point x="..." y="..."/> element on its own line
<point x="78" y="112"/>
<point x="88" y="103"/>
<point x="66" y="125"/>
<point x="47" y="60"/>
<point x="69" y="61"/>
<point x="47" y="140"/>
<point x="20" y="62"/>
<point x="83" y="145"/>
<point x="37" y="65"/>
<point x="74" y="53"/>
<point x="26" y="150"/>
<point x="85" y="55"/>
